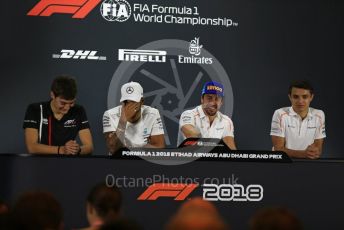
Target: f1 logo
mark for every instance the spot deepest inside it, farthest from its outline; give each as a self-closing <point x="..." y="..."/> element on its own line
<point x="178" y="191"/>
<point x="79" y="8"/>
<point x="190" y="143"/>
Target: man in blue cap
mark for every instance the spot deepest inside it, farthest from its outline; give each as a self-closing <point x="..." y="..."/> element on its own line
<point x="206" y="120"/>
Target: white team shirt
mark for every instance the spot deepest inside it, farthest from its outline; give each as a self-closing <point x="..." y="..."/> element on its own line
<point x="221" y="127"/>
<point x="298" y="133"/>
<point x="136" y="134"/>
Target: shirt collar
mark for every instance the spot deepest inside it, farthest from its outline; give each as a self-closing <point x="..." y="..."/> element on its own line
<point x="202" y="114"/>
<point x="50" y="110"/>
<point x="293" y="113"/>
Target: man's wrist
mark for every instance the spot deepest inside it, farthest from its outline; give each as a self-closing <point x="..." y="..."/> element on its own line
<point x="120" y="130"/>
<point x="122" y="123"/>
<point x="62" y="150"/>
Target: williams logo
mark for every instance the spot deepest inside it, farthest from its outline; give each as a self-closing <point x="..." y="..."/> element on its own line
<point x="79" y="54"/>
<point x="115" y="10"/>
<point x="195" y="50"/>
<point x="142" y="55"/>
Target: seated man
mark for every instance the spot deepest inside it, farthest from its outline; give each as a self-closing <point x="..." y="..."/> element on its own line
<point x="299" y="130"/>
<point x="4" y="215"/>
<point x="37" y="210"/>
<point x="51" y="127"/>
<point x="277" y="218"/>
<point x="103" y="205"/>
<point x="206" y="120"/>
<point x="196" y="214"/>
<point x="132" y="124"/>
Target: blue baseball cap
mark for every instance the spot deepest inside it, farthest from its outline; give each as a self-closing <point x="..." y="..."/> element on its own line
<point x="213" y="87"/>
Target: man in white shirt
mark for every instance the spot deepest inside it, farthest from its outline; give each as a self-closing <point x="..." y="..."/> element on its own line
<point x="132" y="124"/>
<point x="299" y="130"/>
<point x="206" y="120"/>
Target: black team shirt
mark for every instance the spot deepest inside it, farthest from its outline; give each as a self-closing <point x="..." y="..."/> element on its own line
<point x="52" y="131"/>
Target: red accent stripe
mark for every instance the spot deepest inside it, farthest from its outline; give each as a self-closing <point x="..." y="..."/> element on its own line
<point x="49" y="130"/>
<point x="86" y="8"/>
<point x="44" y="4"/>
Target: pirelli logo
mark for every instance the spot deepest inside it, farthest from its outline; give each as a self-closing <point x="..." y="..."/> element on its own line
<point x="142" y="55"/>
<point x="78" y="8"/>
<point x="177" y="191"/>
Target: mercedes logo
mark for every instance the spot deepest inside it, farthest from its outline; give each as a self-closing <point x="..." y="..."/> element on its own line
<point x="129" y="90"/>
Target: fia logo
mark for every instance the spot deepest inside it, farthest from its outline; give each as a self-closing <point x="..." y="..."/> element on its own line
<point x="200" y="143"/>
<point x="145" y="131"/>
<point x="115" y="10"/>
<point x="195" y="47"/>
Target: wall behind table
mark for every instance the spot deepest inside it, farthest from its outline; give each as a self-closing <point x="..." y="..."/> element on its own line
<point x="303" y="187"/>
<point x="274" y="43"/>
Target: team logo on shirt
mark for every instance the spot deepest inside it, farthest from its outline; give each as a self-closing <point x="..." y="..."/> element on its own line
<point x="106" y="122"/>
<point x="70" y="123"/>
<point x="186" y="119"/>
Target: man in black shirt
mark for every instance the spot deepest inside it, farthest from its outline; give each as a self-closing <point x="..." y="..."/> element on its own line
<point x="52" y="127"/>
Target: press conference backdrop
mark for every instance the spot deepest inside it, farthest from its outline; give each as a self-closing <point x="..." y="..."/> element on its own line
<point x="255" y="48"/>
